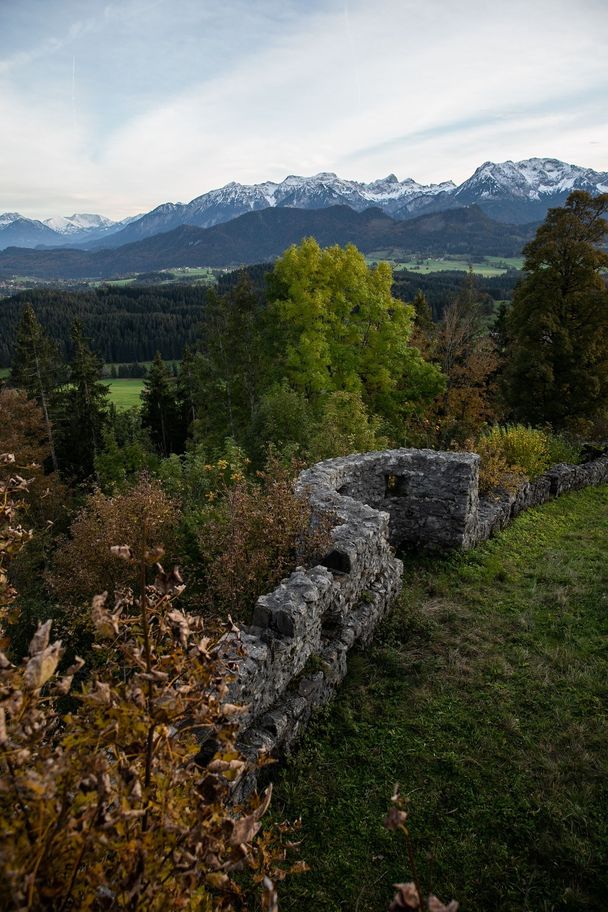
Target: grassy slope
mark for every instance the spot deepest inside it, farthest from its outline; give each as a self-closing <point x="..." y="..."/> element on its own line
<point x="484" y="695"/>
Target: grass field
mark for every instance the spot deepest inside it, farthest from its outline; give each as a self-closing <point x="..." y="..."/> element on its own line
<point x="193" y="274"/>
<point x="488" y="267"/>
<point x="484" y="696"/>
<point x="125" y="393"/>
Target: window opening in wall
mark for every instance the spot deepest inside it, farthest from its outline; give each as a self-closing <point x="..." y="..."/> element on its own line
<point x="396" y="486"/>
<point x="337" y="561"/>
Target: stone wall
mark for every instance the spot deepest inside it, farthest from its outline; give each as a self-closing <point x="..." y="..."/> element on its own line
<point x="493" y="514"/>
<point x="293" y="656"/>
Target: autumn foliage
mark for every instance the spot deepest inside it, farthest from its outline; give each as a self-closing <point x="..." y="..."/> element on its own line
<point x="256" y="534"/>
<point x="116" y="805"/>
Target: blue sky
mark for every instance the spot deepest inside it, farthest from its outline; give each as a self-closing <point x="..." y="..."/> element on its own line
<point x="115" y="107"/>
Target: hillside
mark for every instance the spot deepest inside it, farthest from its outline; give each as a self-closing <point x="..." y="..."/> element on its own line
<point x="261" y="236"/>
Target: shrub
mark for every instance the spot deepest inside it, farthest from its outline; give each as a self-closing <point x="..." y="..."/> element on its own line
<point x="115" y="805"/>
<point x="515" y="453"/>
<point x="525" y="449"/>
<point x="345" y="427"/>
<point x="193" y="476"/>
<point x="12" y="534"/>
<point x="253" y="536"/>
<point x="562" y="449"/>
<point x="84" y="564"/>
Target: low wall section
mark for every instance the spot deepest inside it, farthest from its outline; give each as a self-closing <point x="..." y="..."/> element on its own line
<point x="294" y="654"/>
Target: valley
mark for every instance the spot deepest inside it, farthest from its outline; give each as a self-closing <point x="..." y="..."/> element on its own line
<point x="303" y="456"/>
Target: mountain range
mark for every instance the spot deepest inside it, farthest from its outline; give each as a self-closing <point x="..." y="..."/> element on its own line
<point x="511" y="192"/>
<point x="81" y="228"/>
<point x="261" y="235"/>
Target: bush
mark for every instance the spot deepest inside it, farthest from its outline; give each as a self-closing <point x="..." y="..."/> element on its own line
<point x="115" y="805"/>
<point x="345" y="427"/>
<point x="254" y="535"/>
<point x="561" y="449"/>
<point x="515" y="453"/>
<point x="84" y="564"/>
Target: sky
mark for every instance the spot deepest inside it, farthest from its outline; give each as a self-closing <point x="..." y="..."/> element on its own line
<point x="116" y="107"/>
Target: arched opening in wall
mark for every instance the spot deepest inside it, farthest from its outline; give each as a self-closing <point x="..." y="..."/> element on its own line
<point x="337" y="562"/>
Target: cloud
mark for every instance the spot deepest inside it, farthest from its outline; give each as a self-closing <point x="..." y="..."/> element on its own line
<point x="427" y="91"/>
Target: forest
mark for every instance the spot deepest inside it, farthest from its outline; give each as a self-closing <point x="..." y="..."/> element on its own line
<point x="141" y="535"/>
<point x="129" y="324"/>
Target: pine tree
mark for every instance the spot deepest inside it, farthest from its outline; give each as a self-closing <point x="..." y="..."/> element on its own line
<point x="557" y="349"/>
<point x="84" y="409"/>
<point x="38" y="369"/>
<point x="225" y="373"/>
<point x="185" y="391"/>
<point x="160" y="412"/>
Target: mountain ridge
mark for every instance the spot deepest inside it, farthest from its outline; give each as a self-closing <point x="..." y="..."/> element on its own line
<point x="262" y="235"/>
<point x="511" y="192"/>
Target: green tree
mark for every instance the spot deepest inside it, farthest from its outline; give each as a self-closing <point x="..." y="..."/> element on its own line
<point x="424" y="314"/>
<point x="185" y="390"/>
<point x="333" y="325"/>
<point x="226" y="373"/>
<point x="84" y="409"/>
<point x="38" y="369"/>
<point x="160" y="412"/>
<point x="285" y="421"/>
<point x="345" y="427"/>
<point x="557" y="348"/>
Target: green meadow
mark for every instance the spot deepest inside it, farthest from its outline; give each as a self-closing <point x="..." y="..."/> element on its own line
<point x="489" y="266"/>
<point x="484" y="696"/>
<point x="125" y="393"/>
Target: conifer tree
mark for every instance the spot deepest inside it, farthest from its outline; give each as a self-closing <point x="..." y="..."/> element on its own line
<point x="84" y="409"/>
<point x="39" y="370"/>
<point x="160" y="410"/>
<point x="226" y="373"/>
<point x="557" y="349"/>
<point x="185" y="391"/>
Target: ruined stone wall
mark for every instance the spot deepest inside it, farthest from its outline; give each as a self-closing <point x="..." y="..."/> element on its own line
<point x="495" y="513"/>
<point x="294" y="654"/>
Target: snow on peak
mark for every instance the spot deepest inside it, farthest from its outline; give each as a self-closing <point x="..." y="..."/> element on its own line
<point x="6" y="218"/>
<point x="79" y="221"/>
<point x="531" y="178"/>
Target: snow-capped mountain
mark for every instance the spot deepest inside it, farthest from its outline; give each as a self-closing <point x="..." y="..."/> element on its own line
<point x="79" y="222"/>
<point x="524" y="191"/>
<point x="316" y="192"/>
<point x="81" y="228"/>
<point x="511" y="192"/>
<point x="7" y="217"/>
<point x="18" y="231"/>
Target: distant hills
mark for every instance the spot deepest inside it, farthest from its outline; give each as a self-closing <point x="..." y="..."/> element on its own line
<point x="262" y="235"/>
<point x="510" y="192"/>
